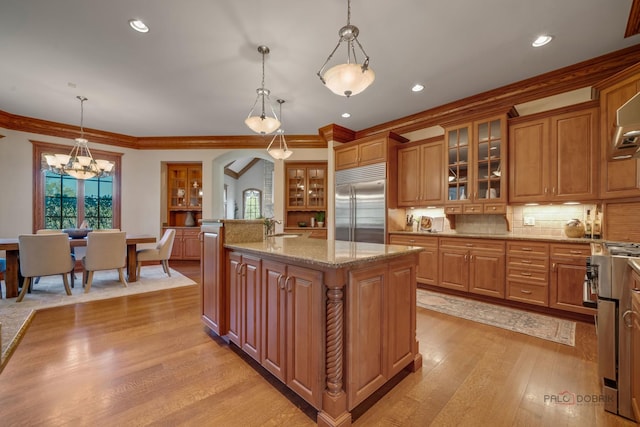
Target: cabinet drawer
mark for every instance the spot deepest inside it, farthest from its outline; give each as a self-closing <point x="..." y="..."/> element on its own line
<point x="570" y="251"/>
<point x="528" y="249"/>
<point x="191" y="233"/>
<point x="497" y="245"/>
<point x="495" y="208"/>
<point x="457" y="209"/>
<point x="472" y="209"/>
<point x="525" y="292"/>
<point x="424" y="241"/>
<point x="528" y="275"/>
<point x="526" y="263"/>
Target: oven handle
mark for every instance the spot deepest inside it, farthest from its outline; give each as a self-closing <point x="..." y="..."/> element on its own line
<point x="586" y="293"/>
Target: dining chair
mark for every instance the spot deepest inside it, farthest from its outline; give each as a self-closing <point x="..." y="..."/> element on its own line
<point x="162" y="252"/>
<point x="105" y="251"/>
<point x="44" y="255"/>
<point x="73" y="255"/>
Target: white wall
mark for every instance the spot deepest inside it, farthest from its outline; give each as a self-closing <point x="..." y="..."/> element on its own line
<point x="142" y="181"/>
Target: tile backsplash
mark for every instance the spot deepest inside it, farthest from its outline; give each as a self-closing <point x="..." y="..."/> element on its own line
<point x="524" y="220"/>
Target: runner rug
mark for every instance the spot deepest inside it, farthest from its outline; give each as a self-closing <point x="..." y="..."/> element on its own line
<point x="49" y="292"/>
<point x="537" y="325"/>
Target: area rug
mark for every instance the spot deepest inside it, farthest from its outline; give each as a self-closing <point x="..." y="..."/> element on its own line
<point x="537" y="325"/>
<point x="49" y="292"/>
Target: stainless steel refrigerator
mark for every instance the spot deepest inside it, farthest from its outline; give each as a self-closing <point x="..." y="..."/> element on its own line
<point x="361" y="209"/>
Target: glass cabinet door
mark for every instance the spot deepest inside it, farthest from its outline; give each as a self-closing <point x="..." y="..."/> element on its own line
<point x="458" y="154"/>
<point x="295" y="187"/>
<point x="177" y="187"/>
<point x="195" y="187"/>
<point x="489" y="159"/>
<point x="317" y="182"/>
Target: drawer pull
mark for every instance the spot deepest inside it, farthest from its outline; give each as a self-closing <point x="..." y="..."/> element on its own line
<point x="575" y="252"/>
<point x="527" y="249"/>
<point x="526" y="261"/>
<point x="525" y="292"/>
<point x="524" y="273"/>
<point x="469" y="245"/>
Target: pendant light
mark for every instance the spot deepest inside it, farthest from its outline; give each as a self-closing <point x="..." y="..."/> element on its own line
<point x="350" y="78"/>
<point x="262" y="124"/>
<point x="282" y="151"/>
<point x="79" y="163"/>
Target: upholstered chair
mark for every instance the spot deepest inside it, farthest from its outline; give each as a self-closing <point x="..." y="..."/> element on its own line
<point x="162" y="252"/>
<point x="105" y="251"/>
<point x="73" y="256"/>
<point x="44" y="255"/>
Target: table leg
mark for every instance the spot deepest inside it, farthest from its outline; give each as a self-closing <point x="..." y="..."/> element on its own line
<point x="132" y="258"/>
<point x="11" y="274"/>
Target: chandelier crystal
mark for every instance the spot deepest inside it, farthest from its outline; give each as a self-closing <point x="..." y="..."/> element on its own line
<point x="262" y="123"/>
<point x="350" y="78"/>
<point x="282" y="151"/>
<point x="79" y="163"/>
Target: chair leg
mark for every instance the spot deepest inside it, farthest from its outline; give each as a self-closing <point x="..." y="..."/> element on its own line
<point x="138" y="266"/>
<point x="87" y="286"/>
<point x="73" y="278"/>
<point x="25" y="285"/>
<point x="165" y="265"/>
<point x="121" y="274"/>
<point x="66" y="283"/>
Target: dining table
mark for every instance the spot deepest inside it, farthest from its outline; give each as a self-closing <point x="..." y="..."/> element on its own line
<point x="10" y="245"/>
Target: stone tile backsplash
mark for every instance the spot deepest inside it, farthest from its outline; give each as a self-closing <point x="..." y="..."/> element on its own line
<point x="540" y="220"/>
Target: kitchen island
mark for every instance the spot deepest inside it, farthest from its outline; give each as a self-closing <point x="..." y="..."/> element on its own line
<point x="332" y="320"/>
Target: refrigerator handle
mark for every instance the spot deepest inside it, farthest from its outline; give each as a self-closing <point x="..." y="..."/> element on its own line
<point x="352" y="215"/>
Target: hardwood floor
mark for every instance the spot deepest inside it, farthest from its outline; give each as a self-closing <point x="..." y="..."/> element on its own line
<point x="147" y="360"/>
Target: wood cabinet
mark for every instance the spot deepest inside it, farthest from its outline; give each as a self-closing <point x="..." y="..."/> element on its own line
<point x="421" y="174"/>
<point x="305" y="191"/>
<point x="635" y="345"/>
<point x="427" y="270"/>
<point x="213" y="285"/>
<point x="184" y="193"/>
<point x="568" y="268"/>
<point x="554" y="159"/>
<point x="528" y="272"/>
<point x="243" y="276"/>
<point x="366" y="151"/>
<point x="473" y="265"/>
<point x="291" y="321"/>
<point x="186" y="244"/>
<point x="619" y="178"/>
<point x="475" y="157"/>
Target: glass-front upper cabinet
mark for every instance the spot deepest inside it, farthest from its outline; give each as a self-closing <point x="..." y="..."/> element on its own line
<point x="458" y="140"/>
<point x="184" y="185"/>
<point x="490" y="146"/>
<point x="306" y="186"/>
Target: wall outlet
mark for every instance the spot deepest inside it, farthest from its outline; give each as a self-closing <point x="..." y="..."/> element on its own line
<point x="529" y="220"/>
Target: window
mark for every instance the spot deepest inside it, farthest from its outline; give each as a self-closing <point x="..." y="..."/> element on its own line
<point x="64" y="202"/>
<point x="252" y="198"/>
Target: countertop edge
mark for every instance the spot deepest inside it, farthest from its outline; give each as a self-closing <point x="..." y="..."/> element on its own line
<point x="550" y="239"/>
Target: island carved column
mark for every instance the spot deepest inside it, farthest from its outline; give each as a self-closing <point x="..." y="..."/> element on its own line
<point x="334" y="398"/>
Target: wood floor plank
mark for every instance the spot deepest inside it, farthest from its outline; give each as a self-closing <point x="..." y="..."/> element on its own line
<point x="147" y="360"/>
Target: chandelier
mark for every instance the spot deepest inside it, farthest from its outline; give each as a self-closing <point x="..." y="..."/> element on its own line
<point x="262" y="124"/>
<point x="282" y="151"/>
<point x="350" y="78"/>
<point x="79" y="163"/>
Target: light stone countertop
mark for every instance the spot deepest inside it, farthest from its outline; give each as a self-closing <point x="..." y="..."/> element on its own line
<point x="323" y="253"/>
<point x="551" y="239"/>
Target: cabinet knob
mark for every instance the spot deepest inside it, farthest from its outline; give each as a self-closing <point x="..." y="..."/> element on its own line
<point x="493" y="208"/>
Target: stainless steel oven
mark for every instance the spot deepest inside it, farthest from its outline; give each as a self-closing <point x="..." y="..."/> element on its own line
<point x="607" y="277"/>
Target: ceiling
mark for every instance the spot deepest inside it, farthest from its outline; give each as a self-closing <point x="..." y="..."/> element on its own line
<point x="197" y="69"/>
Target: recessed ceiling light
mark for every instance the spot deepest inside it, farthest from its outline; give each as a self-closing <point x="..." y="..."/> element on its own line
<point x="542" y="40"/>
<point x="138" y="25"/>
<point x="417" y="87"/>
<point x="346" y="115"/>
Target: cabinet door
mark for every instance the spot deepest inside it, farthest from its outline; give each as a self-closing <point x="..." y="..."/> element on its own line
<point x="372" y="152"/>
<point x="409" y="171"/>
<point x="234" y="279"/>
<point x="346" y="158"/>
<point x="490" y="151"/>
<point x="367" y="363"/>
<point x="454" y="268"/>
<point x="635" y="349"/>
<point x="567" y="279"/>
<point x="194" y="186"/>
<point x="191" y="244"/>
<point x="574" y="162"/>
<point x="432" y="173"/>
<point x="274" y="321"/>
<point x="486" y="271"/>
<point x="316" y="187"/>
<point x="619" y="178"/>
<point x="295" y="187"/>
<point x="427" y="271"/>
<point x="401" y="320"/>
<point x="458" y="159"/>
<point x="251" y="310"/>
<point x="213" y="284"/>
<point x="304" y="325"/>
<point x="528" y="161"/>
<point x="177" y="177"/>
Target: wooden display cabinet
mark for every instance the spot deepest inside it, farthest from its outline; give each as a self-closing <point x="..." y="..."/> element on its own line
<point x="184" y="193"/>
<point x="305" y="192"/>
